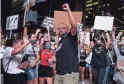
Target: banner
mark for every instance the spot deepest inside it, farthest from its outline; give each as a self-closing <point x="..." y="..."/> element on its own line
<point x="62" y="17"/>
<point x="103" y="23"/>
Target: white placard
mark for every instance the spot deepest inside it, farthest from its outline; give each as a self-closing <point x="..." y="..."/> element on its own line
<point x="12" y="22"/>
<point x="103" y="23"/>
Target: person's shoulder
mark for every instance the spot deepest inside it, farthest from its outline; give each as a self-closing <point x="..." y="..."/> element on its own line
<point x="73" y="37"/>
<point x="8" y="51"/>
<point x="70" y="34"/>
<point x="9" y="48"/>
<point x="28" y="46"/>
<point x="104" y="48"/>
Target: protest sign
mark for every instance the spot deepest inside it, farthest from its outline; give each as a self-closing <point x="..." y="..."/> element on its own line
<point x="62" y="17"/>
<point x="103" y="23"/>
<point x="12" y="22"/>
<point x="48" y="23"/>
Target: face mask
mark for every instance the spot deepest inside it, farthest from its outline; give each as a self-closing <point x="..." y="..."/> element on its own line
<point x="48" y="46"/>
<point x="98" y="45"/>
<point x="33" y="41"/>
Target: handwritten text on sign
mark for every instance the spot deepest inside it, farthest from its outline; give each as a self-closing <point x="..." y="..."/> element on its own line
<point x="48" y="23"/>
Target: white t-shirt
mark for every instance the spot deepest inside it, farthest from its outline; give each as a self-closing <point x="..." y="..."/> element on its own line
<point x="31" y="51"/>
<point x="14" y="63"/>
<point x="1" y="51"/>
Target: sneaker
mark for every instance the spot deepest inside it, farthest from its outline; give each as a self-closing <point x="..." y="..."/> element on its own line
<point x="83" y="82"/>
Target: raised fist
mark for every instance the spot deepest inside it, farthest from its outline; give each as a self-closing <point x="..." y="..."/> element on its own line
<point x="25" y="40"/>
<point x="66" y="6"/>
<point x="38" y="30"/>
<point x="113" y="28"/>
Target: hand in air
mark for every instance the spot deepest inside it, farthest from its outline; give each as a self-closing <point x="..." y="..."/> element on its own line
<point x="66" y="7"/>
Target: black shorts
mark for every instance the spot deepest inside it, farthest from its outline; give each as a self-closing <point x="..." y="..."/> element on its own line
<point x="14" y="78"/>
<point x="45" y="71"/>
<point x="82" y="64"/>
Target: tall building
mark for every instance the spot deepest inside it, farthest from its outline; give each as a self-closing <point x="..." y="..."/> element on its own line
<point x="105" y="7"/>
<point x="91" y="11"/>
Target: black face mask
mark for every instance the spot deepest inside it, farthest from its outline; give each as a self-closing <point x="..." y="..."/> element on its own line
<point x="98" y="48"/>
<point x="98" y="45"/>
<point x="122" y="50"/>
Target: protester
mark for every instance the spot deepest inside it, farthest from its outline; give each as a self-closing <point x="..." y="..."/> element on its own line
<point x="98" y="61"/>
<point x="118" y="45"/>
<point x="45" y="68"/>
<point x="83" y="56"/>
<point x="32" y="50"/>
<point x="88" y="65"/>
<point x="67" y="62"/>
<point x="13" y="74"/>
<point x="85" y="64"/>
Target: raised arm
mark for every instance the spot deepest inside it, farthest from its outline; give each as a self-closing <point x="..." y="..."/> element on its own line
<point x="37" y="31"/>
<point x="25" y="31"/>
<point x="113" y="33"/>
<point x="91" y="39"/>
<point x="73" y="23"/>
<point x="108" y="40"/>
<point x="20" y="48"/>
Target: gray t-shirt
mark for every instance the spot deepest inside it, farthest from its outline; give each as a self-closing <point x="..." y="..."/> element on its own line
<point x="31" y="50"/>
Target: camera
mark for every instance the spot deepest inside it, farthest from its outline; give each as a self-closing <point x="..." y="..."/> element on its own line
<point x="25" y="58"/>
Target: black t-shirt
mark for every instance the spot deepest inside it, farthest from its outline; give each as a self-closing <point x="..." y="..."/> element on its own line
<point x="99" y="57"/>
<point x="67" y="55"/>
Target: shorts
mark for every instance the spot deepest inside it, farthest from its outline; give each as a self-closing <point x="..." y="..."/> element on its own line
<point x="14" y="78"/>
<point x="31" y="73"/>
<point x="82" y="64"/>
<point x="67" y="78"/>
<point x="45" y="71"/>
<point x="88" y="65"/>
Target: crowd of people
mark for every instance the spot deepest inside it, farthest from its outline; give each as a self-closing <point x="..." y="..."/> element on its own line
<point x="36" y="59"/>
